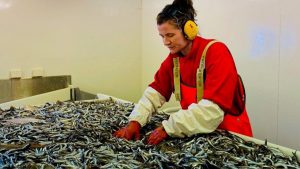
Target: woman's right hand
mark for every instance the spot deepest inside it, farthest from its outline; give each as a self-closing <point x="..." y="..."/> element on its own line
<point x="130" y="132"/>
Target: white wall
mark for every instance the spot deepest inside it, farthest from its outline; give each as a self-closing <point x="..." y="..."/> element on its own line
<point x="263" y="37"/>
<point x="289" y="81"/>
<point x="98" y="42"/>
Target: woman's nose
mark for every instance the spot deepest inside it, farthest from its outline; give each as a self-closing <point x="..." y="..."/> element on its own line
<point x="166" y="41"/>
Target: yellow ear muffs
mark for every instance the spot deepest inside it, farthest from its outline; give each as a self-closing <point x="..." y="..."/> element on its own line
<point x="190" y="30"/>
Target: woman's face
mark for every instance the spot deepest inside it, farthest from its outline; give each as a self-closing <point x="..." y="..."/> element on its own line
<point x="173" y="38"/>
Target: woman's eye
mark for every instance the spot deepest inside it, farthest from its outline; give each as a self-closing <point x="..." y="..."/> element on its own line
<point x="170" y="35"/>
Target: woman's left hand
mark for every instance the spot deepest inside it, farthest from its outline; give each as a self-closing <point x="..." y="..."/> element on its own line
<point x="157" y="136"/>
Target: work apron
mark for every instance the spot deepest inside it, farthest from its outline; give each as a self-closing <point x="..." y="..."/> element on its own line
<point x="238" y="124"/>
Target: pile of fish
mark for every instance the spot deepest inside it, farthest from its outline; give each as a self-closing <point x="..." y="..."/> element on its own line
<point x="79" y="135"/>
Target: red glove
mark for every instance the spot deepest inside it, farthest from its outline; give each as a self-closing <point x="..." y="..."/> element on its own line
<point x="157" y="136"/>
<point x="131" y="131"/>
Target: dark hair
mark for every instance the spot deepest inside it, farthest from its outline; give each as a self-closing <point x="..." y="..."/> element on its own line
<point x="178" y="12"/>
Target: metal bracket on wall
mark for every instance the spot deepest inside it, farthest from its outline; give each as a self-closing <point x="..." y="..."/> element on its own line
<point x="77" y="94"/>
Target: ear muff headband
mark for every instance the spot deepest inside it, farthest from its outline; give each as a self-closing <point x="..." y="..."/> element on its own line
<point x="190" y="29"/>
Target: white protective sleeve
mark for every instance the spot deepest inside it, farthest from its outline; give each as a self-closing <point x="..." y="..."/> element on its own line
<point x="150" y="102"/>
<point x="203" y="117"/>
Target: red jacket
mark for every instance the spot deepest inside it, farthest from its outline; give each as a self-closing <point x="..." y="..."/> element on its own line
<point x="220" y="80"/>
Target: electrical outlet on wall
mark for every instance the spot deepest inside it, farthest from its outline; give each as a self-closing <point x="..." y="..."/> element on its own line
<point x="38" y="72"/>
<point x="15" y="73"/>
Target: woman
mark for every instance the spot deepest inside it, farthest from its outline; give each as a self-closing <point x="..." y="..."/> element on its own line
<point x="206" y="106"/>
